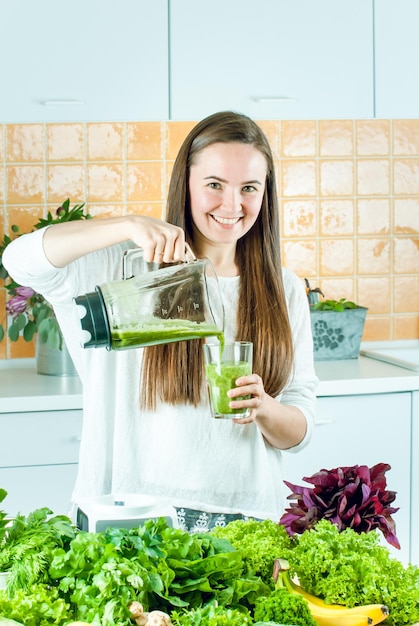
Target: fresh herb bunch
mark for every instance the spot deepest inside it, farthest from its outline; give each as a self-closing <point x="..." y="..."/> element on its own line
<point x="350" y="497"/>
<point x="259" y="542"/>
<point x="161" y="567"/>
<point x="30" y="313"/>
<point x="282" y="607"/>
<point x="28" y="544"/>
<point x="353" y="569"/>
<point x="96" y="575"/>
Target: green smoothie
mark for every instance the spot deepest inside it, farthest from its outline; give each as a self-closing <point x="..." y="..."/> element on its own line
<point x="157" y="331"/>
<point x="221" y="378"/>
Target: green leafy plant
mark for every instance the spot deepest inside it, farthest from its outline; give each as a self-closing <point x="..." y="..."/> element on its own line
<point x="353" y="569"/>
<point x="28" y="544"/>
<point x="313" y="296"/>
<point x="161" y="567"/>
<point x="259" y="543"/>
<point x="40" y="605"/>
<point x="282" y="607"/>
<point x="201" y="579"/>
<point x="28" y="311"/>
<point x="334" y="305"/>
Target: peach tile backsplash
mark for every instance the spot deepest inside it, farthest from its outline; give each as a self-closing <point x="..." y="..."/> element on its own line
<point x="349" y="193"/>
<point x="373" y="138"/>
<point x="336" y="138"/>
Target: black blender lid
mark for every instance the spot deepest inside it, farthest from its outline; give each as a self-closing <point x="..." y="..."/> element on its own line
<point x="94" y="319"/>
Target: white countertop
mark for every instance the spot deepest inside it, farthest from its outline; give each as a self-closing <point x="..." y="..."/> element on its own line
<point x="22" y="389"/>
<point x="368" y="375"/>
<point x="363" y="375"/>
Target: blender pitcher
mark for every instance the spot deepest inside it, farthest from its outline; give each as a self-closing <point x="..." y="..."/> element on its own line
<point x="176" y="302"/>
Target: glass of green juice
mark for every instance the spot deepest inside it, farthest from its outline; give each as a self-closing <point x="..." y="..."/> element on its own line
<point x="223" y="365"/>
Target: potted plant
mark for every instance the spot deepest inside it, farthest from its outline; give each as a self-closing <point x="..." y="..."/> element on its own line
<point x="337" y="326"/>
<point x="27" y="312"/>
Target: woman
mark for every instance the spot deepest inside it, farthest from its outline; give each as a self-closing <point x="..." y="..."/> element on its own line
<point x="147" y="426"/>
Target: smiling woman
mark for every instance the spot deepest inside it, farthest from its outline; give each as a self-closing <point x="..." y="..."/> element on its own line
<point x="222" y="202"/>
<point x="226" y="187"/>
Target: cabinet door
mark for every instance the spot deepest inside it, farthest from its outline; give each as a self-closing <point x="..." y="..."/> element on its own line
<point x="414" y="552"/>
<point x="396" y="58"/>
<point x="272" y="59"/>
<point x="363" y="430"/>
<point x="95" y="60"/>
<point x="30" y="488"/>
<point x="40" y="438"/>
<point x="38" y="459"/>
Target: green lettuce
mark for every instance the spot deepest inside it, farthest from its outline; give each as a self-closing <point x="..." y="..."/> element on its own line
<point x="259" y="542"/>
<point x="353" y="569"/>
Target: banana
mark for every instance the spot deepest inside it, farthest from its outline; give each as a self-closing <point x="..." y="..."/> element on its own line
<point x="344" y="620"/>
<point x="330" y="614"/>
<point x="367" y="615"/>
<point x="280" y="566"/>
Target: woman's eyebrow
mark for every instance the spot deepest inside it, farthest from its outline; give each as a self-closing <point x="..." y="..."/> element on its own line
<point x="223" y="180"/>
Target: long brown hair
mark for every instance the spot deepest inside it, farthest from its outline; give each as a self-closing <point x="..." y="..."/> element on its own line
<point x="173" y="372"/>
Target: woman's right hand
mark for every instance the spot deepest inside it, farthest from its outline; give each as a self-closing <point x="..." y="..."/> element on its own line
<point x="160" y="241"/>
<point x="68" y="241"/>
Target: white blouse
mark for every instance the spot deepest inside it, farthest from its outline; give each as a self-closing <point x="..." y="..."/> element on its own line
<point x="178" y="453"/>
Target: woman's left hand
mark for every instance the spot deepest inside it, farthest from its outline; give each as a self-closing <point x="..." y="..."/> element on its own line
<point x="251" y="385"/>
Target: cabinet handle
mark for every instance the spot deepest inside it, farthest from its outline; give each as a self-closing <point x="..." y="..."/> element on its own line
<point x="324" y="420"/>
<point x="274" y="99"/>
<point x="58" y="103"/>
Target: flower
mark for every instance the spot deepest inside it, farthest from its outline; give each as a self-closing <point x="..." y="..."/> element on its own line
<point x="350" y="497"/>
<point x="17" y="303"/>
<point x="28" y="311"/>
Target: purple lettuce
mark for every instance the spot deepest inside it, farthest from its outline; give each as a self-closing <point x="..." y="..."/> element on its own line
<point x="350" y="497"/>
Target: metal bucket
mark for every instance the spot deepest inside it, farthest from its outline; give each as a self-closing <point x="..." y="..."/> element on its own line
<point x="53" y="361"/>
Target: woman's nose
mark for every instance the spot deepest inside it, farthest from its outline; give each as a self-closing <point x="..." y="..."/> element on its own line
<point x="232" y="199"/>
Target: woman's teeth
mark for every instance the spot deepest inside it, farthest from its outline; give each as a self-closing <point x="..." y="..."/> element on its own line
<point x="226" y="220"/>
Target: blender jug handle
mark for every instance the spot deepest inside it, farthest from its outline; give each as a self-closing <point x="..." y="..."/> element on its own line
<point x="148" y="266"/>
<point x="127" y="262"/>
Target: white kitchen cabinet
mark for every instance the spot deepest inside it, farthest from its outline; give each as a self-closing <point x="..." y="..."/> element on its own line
<point x="99" y="60"/>
<point x="38" y="459"/>
<point x="31" y="488"/>
<point x="414" y="513"/>
<point x="396" y="59"/>
<point x="364" y="430"/>
<point x="272" y="59"/>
